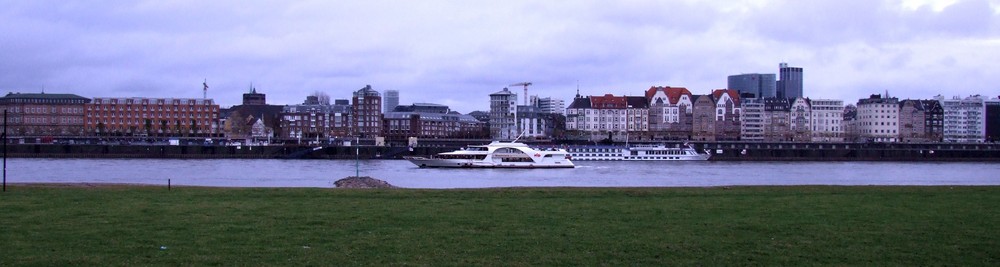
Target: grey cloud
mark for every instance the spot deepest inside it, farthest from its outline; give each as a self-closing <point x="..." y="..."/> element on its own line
<point x="457" y="53"/>
<point x="825" y="23"/>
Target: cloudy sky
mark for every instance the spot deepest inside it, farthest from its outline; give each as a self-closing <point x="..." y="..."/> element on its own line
<point x="458" y="52"/>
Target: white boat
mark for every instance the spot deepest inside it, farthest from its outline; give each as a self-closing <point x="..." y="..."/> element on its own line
<point x="497" y="155"/>
<point x="638" y="152"/>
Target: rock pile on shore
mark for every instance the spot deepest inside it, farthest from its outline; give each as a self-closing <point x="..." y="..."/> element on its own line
<point x="362" y="182"/>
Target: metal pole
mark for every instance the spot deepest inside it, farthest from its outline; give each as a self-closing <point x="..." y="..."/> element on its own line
<point x="357" y="157"/>
<point x="5" y="150"/>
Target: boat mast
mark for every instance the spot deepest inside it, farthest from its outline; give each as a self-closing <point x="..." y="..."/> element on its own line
<point x="518" y="137"/>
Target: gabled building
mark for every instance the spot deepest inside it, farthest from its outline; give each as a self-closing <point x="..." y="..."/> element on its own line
<point x="933" y="120"/>
<point x="777" y="115"/>
<point x="727" y="114"/>
<point x="260" y="131"/>
<point x="703" y="118"/>
<point x="670" y="112"/>
<point x="800" y="119"/>
<point x="850" y="123"/>
<point x="237" y="121"/>
<point x="912" y="121"/>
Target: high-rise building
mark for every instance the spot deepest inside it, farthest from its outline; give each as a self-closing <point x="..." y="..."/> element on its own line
<point x="760" y="85"/>
<point x="503" y="107"/>
<point x="391" y="100"/>
<point x="367" y="112"/>
<point x="44" y="114"/>
<point x="790" y="83"/>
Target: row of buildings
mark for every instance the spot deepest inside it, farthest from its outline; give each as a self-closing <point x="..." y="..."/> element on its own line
<point x="68" y="115"/>
<point x="674" y="113"/>
<point x="659" y="113"/>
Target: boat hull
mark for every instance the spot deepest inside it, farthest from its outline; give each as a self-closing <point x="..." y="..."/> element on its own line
<point x="636" y="154"/>
<point x="466" y="163"/>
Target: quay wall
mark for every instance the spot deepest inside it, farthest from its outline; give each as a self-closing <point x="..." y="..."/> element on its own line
<point x="721" y="151"/>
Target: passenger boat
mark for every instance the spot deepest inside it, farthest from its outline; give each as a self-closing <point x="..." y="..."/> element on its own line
<point x="638" y="152"/>
<point x="497" y="155"/>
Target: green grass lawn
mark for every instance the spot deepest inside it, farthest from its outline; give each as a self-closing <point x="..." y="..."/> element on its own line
<point x="871" y="226"/>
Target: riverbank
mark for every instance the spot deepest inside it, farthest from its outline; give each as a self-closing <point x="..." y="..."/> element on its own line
<point x="721" y="151"/>
<point x="58" y="226"/>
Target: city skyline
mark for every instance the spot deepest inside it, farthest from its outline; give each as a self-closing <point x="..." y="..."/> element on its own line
<point x="456" y="55"/>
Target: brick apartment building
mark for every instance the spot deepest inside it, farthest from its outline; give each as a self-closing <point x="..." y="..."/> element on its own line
<point x="152" y="116"/>
<point x="44" y="114"/>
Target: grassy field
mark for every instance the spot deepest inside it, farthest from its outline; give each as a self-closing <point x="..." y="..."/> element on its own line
<point x="61" y="226"/>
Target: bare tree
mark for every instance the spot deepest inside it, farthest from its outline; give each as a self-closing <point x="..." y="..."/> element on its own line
<point x="324" y="99"/>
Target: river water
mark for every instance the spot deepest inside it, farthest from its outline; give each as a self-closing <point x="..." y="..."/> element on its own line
<point x="322" y="173"/>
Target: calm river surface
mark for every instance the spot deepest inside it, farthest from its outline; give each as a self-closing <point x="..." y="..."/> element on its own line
<point x="322" y="173"/>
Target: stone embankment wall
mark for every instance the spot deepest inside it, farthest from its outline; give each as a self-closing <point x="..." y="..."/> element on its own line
<point x="721" y="151"/>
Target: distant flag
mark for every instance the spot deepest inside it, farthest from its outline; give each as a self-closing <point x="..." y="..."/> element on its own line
<point x="204" y="92"/>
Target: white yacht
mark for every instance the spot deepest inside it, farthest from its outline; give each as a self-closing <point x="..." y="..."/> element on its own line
<point x="497" y="155"/>
<point x="638" y="152"/>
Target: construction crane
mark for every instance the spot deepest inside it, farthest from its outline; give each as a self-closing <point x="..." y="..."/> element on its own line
<point x="525" y="84"/>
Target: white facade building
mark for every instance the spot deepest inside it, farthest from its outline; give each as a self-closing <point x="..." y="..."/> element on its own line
<point x="752" y="120"/>
<point x="964" y="119"/>
<point x="827" y="115"/>
<point x="549" y="105"/>
<point x="878" y="119"/>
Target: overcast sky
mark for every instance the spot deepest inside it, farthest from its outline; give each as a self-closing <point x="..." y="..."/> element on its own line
<point x="458" y="52"/>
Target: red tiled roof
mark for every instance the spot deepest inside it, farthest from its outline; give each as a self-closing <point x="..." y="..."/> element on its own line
<point x="673" y="93"/>
<point x="733" y="94"/>
<point x="608" y="101"/>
